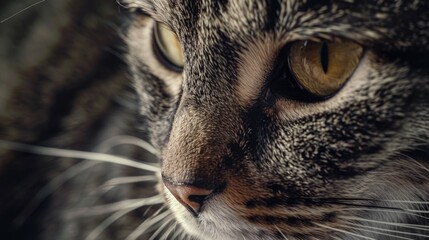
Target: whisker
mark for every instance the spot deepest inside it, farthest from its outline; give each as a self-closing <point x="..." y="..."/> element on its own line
<point x="367" y="206"/>
<point x="405" y="225"/>
<point x="403" y="211"/>
<point x="50" y="188"/>
<point x="128" y="140"/>
<point x="177" y="233"/>
<point x="183" y="235"/>
<point x="161" y="228"/>
<point x="66" y="153"/>
<point x="114" y="182"/>
<point x="405" y="201"/>
<point x="169" y="231"/>
<point x="281" y="233"/>
<point x="158" y="211"/>
<point x="408" y="211"/>
<point x="129" y="179"/>
<point x="415" y="161"/>
<point x="377" y="232"/>
<point x="343" y="231"/>
<point x="146" y="224"/>
<point x="386" y="230"/>
<point x="117" y="206"/>
<point x="332" y="199"/>
<point x="107" y="222"/>
<point x="73" y="171"/>
<point x="25" y="9"/>
<point x="147" y="211"/>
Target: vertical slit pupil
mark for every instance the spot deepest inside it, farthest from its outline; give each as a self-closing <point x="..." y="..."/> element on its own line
<point x="324" y="57"/>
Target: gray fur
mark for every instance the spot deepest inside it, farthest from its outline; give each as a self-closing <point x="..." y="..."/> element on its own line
<point x="369" y="141"/>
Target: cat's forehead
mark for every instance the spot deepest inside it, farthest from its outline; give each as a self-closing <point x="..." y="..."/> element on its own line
<point x="247" y="14"/>
<point x="255" y="8"/>
<point x="362" y="21"/>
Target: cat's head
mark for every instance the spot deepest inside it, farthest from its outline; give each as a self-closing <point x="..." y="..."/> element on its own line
<point x="293" y="119"/>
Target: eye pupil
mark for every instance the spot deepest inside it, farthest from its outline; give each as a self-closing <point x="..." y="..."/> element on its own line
<point x="324" y="57"/>
<point x="320" y="69"/>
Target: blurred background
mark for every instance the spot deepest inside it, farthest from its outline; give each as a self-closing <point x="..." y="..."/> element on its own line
<point x="64" y="84"/>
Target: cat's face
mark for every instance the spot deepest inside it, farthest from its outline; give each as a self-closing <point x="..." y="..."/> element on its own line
<point x="250" y="150"/>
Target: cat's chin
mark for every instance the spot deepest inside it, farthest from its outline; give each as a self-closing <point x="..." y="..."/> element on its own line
<point x="216" y="221"/>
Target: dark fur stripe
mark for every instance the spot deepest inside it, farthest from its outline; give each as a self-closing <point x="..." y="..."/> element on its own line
<point x="291" y="221"/>
<point x="273" y="10"/>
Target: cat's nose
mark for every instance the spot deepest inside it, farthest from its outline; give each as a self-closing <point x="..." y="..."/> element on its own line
<point x="189" y="196"/>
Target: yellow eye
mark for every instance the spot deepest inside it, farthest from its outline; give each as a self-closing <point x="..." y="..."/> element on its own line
<point x="168" y="47"/>
<point x="322" y="68"/>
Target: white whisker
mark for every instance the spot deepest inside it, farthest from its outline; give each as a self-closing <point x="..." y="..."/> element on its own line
<point x="415" y="161"/>
<point x="177" y="233"/>
<point x="113" y="207"/>
<point x="51" y="187"/>
<point x="376" y="232"/>
<point x="343" y="231"/>
<point x="183" y="235"/>
<point x="25" y="9"/>
<point x="405" y="201"/>
<point x="281" y="233"/>
<point x="147" y="211"/>
<point x="73" y="171"/>
<point x="107" y="222"/>
<point x="146" y="224"/>
<point x="129" y="179"/>
<point x="412" y="226"/>
<point x="382" y="200"/>
<point x="114" y="182"/>
<point x="386" y="230"/>
<point x="161" y="228"/>
<point x="399" y="211"/>
<point x="128" y="140"/>
<point x="57" y="152"/>
<point x="162" y="208"/>
<point x="168" y="232"/>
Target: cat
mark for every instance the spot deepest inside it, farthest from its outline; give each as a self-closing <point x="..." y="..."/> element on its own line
<point x="269" y="120"/>
<point x="287" y="119"/>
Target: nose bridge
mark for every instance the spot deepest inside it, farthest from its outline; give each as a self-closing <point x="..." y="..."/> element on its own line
<point x="204" y="123"/>
<point x="197" y="145"/>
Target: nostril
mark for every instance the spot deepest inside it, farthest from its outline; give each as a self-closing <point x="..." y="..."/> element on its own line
<point x="195" y="202"/>
<point x="189" y="196"/>
<point x="197" y="198"/>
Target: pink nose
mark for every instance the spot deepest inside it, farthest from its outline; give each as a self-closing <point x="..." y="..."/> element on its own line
<point x="189" y="196"/>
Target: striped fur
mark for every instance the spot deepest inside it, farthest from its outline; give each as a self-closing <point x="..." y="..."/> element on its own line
<point x="333" y="169"/>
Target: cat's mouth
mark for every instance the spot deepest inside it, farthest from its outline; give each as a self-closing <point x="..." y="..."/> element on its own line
<point x="215" y="219"/>
<point x="218" y="218"/>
